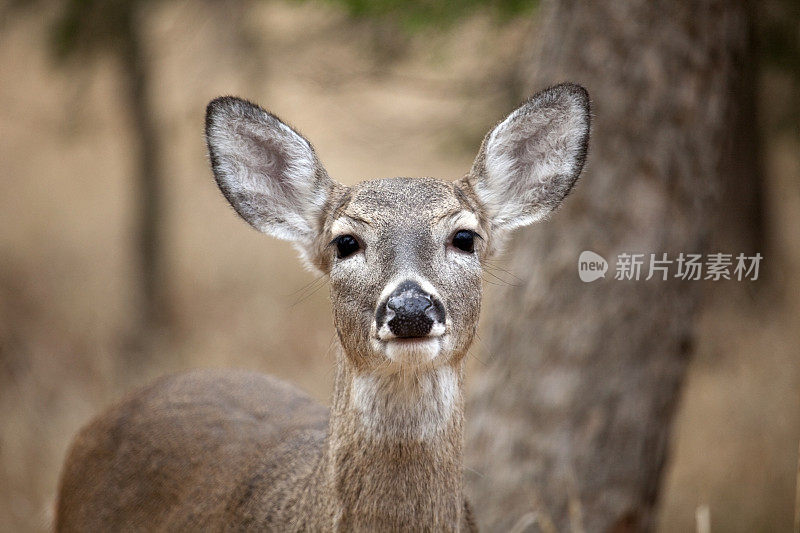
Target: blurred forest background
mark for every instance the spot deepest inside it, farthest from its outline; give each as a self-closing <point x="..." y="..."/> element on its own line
<point x="120" y="260"/>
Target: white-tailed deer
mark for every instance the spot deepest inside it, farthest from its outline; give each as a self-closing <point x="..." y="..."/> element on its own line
<point x="232" y="450"/>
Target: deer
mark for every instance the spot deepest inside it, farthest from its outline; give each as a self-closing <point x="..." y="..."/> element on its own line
<point x="237" y="450"/>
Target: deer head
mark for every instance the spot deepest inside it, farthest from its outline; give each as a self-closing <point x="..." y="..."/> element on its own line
<point x="404" y="255"/>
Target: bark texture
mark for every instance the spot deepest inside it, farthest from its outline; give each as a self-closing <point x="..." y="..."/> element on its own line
<point x="570" y="418"/>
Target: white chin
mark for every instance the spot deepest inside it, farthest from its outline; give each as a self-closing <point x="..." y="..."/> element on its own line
<point x="413" y="351"/>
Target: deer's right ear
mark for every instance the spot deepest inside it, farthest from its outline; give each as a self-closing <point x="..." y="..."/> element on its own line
<point x="267" y="171"/>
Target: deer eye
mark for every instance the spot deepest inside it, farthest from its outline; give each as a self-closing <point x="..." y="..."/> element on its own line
<point x="346" y="245"/>
<point x="464" y="240"/>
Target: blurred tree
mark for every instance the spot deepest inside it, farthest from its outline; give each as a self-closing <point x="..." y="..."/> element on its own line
<point x="85" y="27"/>
<point x="772" y="53"/>
<point x="394" y="21"/>
<point x="740" y="211"/>
<point x="779" y="52"/>
<point x="570" y="420"/>
<point x="415" y="14"/>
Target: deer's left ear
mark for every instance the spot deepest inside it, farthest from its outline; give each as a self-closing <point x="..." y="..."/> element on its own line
<point x="529" y="162"/>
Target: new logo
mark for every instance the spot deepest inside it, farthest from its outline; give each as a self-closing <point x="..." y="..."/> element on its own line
<point x="591" y="266"/>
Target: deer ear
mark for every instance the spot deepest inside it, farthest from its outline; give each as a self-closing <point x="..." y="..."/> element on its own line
<point x="529" y="162"/>
<point x="268" y="172"/>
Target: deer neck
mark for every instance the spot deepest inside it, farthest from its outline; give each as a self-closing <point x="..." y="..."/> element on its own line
<point x="394" y="453"/>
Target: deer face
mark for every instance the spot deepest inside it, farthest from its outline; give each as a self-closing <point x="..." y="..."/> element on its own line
<point x="404" y="255"/>
<point x="405" y="272"/>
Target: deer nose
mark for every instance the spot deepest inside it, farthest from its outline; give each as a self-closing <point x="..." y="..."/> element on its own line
<point x="411" y="312"/>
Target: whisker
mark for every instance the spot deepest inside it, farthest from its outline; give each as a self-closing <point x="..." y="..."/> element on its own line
<point x="310" y="294"/>
<point x="493" y="271"/>
<point x="481" y="361"/>
<point x="490" y="282"/>
<point x="483" y="345"/>
<point x="474" y="471"/>
<point x="504" y="282"/>
<point x="492" y="264"/>
<point x="307" y="285"/>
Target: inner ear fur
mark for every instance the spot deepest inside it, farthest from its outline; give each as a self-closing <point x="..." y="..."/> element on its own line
<point x="529" y="162"/>
<point x="269" y="173"/>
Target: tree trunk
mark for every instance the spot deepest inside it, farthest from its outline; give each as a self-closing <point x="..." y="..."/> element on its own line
<point x="149" y="237"/>
<point x="740" y="217"/>
<point x="571" y="417"/>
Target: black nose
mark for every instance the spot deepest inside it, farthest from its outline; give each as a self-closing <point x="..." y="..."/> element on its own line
<point x="410" y="311"/>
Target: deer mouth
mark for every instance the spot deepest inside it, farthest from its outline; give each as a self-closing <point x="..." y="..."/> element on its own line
<point x="411" y="350"/>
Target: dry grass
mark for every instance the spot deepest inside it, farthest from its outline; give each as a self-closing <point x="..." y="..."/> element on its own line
<point x="238" y="298"/>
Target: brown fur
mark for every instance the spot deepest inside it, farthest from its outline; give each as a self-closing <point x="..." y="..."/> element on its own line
<point x="233" y="450"/>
